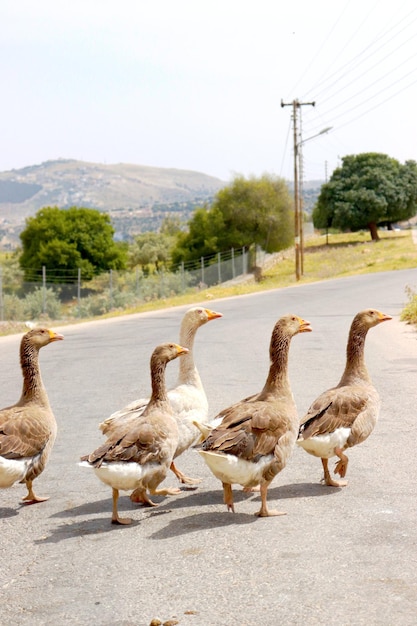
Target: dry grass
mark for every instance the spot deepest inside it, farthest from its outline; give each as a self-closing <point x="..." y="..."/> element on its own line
<point x="344" y="255"/>
<point x="409" y="313"/>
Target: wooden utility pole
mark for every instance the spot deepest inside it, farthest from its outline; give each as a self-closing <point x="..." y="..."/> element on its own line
<point x="296" y="104"/>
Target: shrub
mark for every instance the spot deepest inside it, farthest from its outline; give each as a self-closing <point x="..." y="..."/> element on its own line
<point x="14" y="308"/>
<point x="41" y="302"/>
<point x="409" y="313"/>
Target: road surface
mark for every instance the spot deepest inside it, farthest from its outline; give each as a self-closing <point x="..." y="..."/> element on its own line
<point x="340" y="556"/>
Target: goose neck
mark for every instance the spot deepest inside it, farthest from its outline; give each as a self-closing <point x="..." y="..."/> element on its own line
<point x="33" y="389"/>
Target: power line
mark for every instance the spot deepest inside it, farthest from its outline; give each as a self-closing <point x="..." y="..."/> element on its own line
<point x="359" y="58"/>
<point x="321" y="47"/>
<point x="379" y="104"/>
<point x="372" y="97"/>
<point x="369" y="69"/>
<point x="346" y="45"/>
<point x="296" y="106"/>
<point x="284" y="153"/>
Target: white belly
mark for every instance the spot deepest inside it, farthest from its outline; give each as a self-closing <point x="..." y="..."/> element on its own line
<point x="125" y="476"/>
<point x="324" y="445"/>
<point x="13" y="470"/>
<point x="230" y="469"/>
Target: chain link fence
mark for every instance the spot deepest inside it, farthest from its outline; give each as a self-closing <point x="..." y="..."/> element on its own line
<point x="65" y="295"/>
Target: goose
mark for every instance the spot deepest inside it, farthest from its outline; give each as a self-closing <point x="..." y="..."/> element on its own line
<point x="345" y="415"/>
<point x="28" y="428"/>
<point x="138" y="453"/>
<point x="188" y="398"/>
<point x="256" y="436"/>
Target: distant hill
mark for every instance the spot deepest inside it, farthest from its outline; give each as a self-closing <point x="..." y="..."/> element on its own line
<point x="311" y="191"/>
<point x="136" y="196"/>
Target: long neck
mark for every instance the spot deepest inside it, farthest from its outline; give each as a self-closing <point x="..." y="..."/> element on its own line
<point x="188" y="373"/>
<point x="355" y="368"/>
<point x="278" y="372"/>
<point x="33" y="389"/>
<point x="159" y="392"/>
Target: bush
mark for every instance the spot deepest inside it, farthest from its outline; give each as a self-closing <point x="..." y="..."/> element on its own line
<point x="409" y="313"/>
<point x="14" y="308"/>
<point x="37" y="300"/>
<point x="32" y="306"/>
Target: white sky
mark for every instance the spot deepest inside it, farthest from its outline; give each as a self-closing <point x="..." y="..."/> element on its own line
<point x="197" y="84"/>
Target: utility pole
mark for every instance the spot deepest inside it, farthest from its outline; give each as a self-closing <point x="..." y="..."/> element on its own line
<point x="296" y="104"/>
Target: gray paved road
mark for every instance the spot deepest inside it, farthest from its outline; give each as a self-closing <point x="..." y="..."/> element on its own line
<point x="343" y="556"/>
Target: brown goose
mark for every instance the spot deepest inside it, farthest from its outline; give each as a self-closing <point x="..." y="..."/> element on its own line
<point x="345" y="415"/>
<point x="28" y="428"/>
<point x="256" y="436"/>
<point x="188" y="399"/>
<point x="137" y="454"/>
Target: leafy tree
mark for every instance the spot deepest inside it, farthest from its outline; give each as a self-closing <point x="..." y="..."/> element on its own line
<point x="68" y="239"/>
<point x="368" y="190"/>
<point x="248" y="211"/>
<point x="171" y="225"/>
<point x="150" y="250"/>
<point x="12" y="274"/>
<point x="201" y="238"/>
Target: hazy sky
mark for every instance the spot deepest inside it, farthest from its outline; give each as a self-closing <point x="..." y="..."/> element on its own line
<point x="197" y="84"/>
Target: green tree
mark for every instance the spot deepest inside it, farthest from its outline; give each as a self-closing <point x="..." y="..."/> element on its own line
<point x="64" y="240"/>
<point x="171" y="225"/>
<point x="200" y="239"/>
<point x="150" y="250"/>
<point x="368" y="190"/>
<point x="12" y="273"/>
<point x="248" y="211"/>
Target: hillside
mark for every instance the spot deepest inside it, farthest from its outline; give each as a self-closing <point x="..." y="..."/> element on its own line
<point x="134" y="195"/>
<point x="137" y="197"/>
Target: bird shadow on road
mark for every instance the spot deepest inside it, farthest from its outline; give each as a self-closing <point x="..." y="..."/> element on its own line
<point x="6" y="512"/>
<point x="212" y="519"/>
<point x="98" y="506"/>
<point x="302" y="490"/>
<point x="201" y="498"/>
<point x="100" y="523"/>
<point x="202" y="521"/>
<point x="179" y="526"/>
<point x="95" y="526"/>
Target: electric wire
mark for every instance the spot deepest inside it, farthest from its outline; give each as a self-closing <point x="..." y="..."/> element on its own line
<point x="373" y="56"/>
<point x="284" y="152"/>
<point x="320" y="48"/>
<point x="375" y="95"/>
<point x="359" y="58"/>
<point x="372" y="67"/>
<point x="337" y="56"/>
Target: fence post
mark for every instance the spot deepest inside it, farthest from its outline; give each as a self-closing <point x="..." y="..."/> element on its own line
<point x="202" y="270"/>
<point x="233" y="263"/>
<point x="43" y="289"/>
<point x="219" y="273"/>
<point x="79" y="288"/>
<point x="111" y="288"/>
<point x="244" y="261"/>
<point x="161" y="283"/>
<point x="137" y="282"/>
<point x="1" y="295"/>
<point x="182" y="277"/>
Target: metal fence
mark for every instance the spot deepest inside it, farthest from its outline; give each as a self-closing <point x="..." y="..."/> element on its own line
<point x="65" y="295"/>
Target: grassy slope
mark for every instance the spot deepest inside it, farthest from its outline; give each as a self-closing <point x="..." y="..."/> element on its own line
<point x="343" y="255"/>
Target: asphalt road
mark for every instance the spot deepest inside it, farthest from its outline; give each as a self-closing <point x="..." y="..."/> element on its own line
<point x="340" y="556"/>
